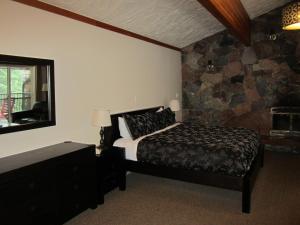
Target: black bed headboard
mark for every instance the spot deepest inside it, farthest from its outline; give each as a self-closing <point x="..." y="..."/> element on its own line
<point x="112" y="133"/>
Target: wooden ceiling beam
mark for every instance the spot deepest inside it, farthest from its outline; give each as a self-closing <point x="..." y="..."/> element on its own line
<point x="232" y="14"/>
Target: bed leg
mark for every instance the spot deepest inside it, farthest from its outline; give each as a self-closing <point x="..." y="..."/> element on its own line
<point x="122" y="176"/>
<point x="122" y="170"/>
<point x="246" y="196"/>
<point x="122" y="181"/>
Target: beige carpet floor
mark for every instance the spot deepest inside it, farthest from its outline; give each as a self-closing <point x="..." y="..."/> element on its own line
<point x="156" y="201"/>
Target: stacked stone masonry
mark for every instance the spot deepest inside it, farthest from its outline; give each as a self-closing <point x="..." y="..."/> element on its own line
<point x="239" y="94"/>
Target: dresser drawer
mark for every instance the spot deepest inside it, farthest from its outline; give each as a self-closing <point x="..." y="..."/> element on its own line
<point x="75" y="188"/>
<point x="73" y="205"/>
<point x="77" y="179"/>
<point x="75" y="193"/>
<point x="24" y="188"/>
<point x="76" y="165"/>
<point x="76" y="174"/>
<point x="47" y="186"/>
<point x="38" y="210"/>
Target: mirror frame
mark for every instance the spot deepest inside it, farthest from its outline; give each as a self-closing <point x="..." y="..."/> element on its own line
<point x="19" y="60"/>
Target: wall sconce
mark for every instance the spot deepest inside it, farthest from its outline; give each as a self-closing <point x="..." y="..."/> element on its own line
<point x="272" y="35"/>
<point x="210" y="66"/>
<point x="291" y="16"/>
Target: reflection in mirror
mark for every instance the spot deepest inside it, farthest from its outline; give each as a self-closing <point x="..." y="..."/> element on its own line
<point x="26" y="93"/>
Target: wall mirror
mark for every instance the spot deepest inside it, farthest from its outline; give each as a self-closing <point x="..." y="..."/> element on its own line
<point x="27" y="98"/>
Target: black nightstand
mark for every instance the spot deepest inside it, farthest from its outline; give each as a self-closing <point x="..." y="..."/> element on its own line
<point x="110" y="171"/>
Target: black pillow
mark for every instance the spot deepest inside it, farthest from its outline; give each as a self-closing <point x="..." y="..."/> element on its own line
<point x="143" y="124"/>
<point x="166" y="118"/>
<point x="140" y="125"/>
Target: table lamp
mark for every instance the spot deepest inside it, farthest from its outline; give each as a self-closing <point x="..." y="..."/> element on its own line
<point x="101" y="118"/>
<point x="174" y="105"/>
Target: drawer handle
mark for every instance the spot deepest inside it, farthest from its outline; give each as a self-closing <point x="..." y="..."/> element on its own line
<point x="75" y="169"/>
<point x="31" y="185"/>
<point x="32" y="208"/>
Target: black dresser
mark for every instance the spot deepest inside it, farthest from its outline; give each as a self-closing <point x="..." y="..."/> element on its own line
<point x="49" y="185"/>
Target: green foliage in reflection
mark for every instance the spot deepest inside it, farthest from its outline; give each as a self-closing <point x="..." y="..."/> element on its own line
<point x="3" y="80"/>
<point x="18" y="76"/>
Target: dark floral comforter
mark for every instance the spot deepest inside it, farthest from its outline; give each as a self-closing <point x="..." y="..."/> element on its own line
<point x="192" y="146"/>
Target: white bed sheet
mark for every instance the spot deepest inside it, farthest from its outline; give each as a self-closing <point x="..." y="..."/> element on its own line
<point x="131" y="145"/>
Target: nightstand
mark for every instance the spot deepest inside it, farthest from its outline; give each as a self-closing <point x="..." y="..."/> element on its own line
<point x="110" y="171"/>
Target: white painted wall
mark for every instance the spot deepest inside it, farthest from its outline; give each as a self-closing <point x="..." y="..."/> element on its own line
<point x="94" y="68"/>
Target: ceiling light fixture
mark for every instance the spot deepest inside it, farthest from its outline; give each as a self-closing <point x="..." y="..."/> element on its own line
<point x="291" y="16"/>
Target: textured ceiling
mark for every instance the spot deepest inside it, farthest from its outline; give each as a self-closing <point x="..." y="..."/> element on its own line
<point x="256" y="8"/>
<point x="174" y="22"/>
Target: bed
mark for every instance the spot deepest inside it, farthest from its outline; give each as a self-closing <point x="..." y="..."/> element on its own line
<point x="228" y="158"/>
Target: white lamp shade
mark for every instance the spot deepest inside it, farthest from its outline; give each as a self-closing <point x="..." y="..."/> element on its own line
<point x="101" y="118"/>
<point x="174" y="105"/>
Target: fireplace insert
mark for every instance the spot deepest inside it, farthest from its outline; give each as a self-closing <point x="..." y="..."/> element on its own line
<point x="285" y="121"/>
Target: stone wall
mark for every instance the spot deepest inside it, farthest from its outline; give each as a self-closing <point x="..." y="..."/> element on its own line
<point x="238" y="93"/>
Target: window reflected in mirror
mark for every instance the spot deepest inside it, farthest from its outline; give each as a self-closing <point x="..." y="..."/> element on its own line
<point x="26" y="93"/>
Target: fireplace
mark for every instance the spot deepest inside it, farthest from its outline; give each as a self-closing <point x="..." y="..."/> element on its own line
<point x="285" y="121"/>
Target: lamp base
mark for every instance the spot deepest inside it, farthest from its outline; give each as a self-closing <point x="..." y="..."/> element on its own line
<point x="102" y="148"/>
<point x="99" y="150"/>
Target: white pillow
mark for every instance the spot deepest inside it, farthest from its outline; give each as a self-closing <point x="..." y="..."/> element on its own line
<point x="124" y="132"/>
<point x="160" y="109"/>
<point x="123" y="143"/>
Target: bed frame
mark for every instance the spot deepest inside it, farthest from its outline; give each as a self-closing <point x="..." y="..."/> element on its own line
<point x="242" y="184"/>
